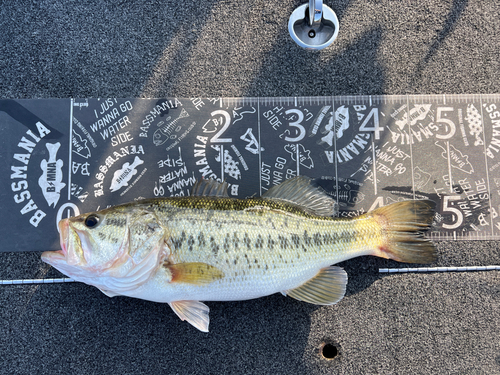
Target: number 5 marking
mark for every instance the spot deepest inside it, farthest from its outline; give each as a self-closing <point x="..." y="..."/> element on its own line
<point x="446" y="121"/>
<point x="455" y="211"/>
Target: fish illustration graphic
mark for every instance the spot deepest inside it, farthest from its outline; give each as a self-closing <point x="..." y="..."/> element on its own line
<point x="122" y="176"/>
<point x="51" y="179"/>
<point x="417" y="113"/>
<point x="80" y="146"/>
<point x="161" y="135"/>
<point x="336" y="126"/>
<point x="304" y="155"/>
<point x="421" y="177"/>
<point x="457" y="159"/>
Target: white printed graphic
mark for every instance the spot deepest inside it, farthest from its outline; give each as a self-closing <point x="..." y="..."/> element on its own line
<point x="122" y="176"/>
<point x="457" y="159"/>
<point x="83" y="168"/>
<point x="337" y="126"/>
<point x="77" y="191"/>
<point x="51" y="179"/>
<point x="417" y="113"/>
<point x="252" y="143"/>
<point x="475" y="124"/>
<point x="230" y="166"/>
<point x="163" y="134"/>
<point x="349" y="196"/>
<point x="304" y="155"/>
<point x="79" y="146"/>
<point x="421" y="178"/>
<point x="319" y="118"/>
<point x="239" y="116"/>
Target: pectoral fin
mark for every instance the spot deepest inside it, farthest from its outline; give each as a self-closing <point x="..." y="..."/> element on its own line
<point x="194" y="273"/>
<point x="326" y="288"/>
<point x="194" y="312"/>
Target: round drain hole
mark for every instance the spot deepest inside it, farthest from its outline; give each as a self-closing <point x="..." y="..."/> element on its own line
<point x="329" y="351"/>
<point x="312" y="33"/>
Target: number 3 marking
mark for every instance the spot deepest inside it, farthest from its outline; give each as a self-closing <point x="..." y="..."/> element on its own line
<point x="296" y="124"/>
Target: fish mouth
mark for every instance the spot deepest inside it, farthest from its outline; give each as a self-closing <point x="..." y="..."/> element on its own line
<point x="64" y="236"/>
<point x="58" y="256"/>
<point x="54" y="258"/>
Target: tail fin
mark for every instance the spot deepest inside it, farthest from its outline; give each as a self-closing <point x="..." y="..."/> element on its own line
<point x="403" y="225"/>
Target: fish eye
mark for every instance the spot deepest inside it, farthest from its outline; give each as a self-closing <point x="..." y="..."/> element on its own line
<point x="92" y="221"/>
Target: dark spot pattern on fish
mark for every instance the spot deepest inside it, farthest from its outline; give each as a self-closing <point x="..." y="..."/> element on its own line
<point x="285" y="222"/>
<point x="227" y="243"/>
<point x="270" y="223"/>
<point x="236" y="240"/>
<point x="175" y="242"/>
<point x="247" y="241"/>
<point x="329" y="238"/>
<point x="259" y="242"/>
<point x="116" y="221"/>
<point x="283" y="242"/>
<point x="307" y="239"/>
<point x="317" y="239"/>
<point x="295" y="239"/>
<point x="214" y="246"/>
<point x="201" y="240"/>
<point x="190" y="242"/>
<point x="270" y="242"/>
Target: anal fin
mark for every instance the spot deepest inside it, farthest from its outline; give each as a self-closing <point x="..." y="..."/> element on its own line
<point x="194" y="312"/>
<point x="326" y="288"/>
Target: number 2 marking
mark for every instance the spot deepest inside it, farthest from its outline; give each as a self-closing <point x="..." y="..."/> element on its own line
<point x="227" y="121"/>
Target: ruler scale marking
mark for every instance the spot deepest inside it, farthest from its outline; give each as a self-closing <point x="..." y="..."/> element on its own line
<point x="404" y="162"/>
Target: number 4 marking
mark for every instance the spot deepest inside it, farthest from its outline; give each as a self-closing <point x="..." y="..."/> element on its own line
<point x="376" y="128"/>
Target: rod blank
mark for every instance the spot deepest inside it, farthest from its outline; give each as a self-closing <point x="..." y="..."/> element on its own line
<point x="36" y="281"/>
<point x="439" y="269"/>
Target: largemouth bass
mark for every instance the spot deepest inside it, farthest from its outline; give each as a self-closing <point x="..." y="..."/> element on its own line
<point x="209" y="247"/>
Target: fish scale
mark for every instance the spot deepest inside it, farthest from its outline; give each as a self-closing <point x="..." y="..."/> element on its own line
<point x="279" y="253"/>
<point x="209" y="247"/>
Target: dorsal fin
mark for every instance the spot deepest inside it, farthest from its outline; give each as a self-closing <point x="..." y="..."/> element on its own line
<point x="301" y="191"/>
<point x="210" y="188"/>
